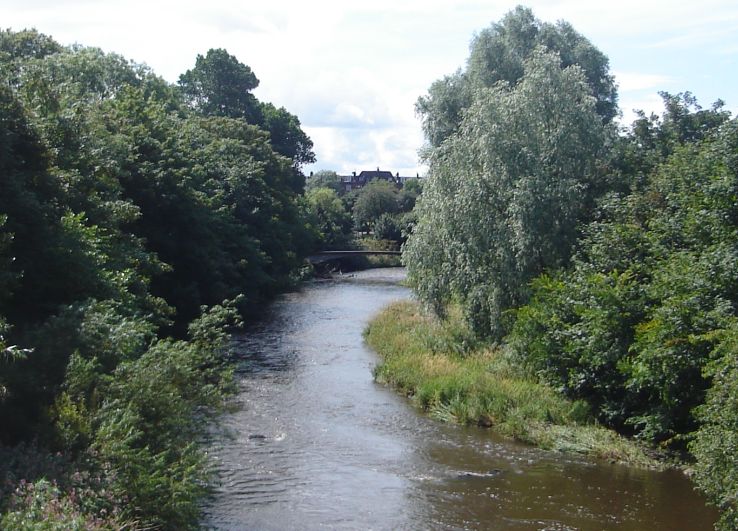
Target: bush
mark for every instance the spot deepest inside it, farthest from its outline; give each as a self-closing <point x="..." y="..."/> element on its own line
<point x="42" y="506"/>
<point x="716" y="443"/>
<point x="152" y="417"/>
<point x="387" y="227"/>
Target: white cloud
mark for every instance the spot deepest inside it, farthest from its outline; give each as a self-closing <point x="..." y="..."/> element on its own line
<point x="650" y="103"/>
<point x="632" y="81"/>
<point x="352" y="71"/>
<point x="346" y="150"/>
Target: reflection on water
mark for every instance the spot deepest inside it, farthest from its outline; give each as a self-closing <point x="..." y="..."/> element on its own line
<point x="316" y="444"/>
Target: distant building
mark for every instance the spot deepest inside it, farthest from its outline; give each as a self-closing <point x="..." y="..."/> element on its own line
<point x="354" y="181"/>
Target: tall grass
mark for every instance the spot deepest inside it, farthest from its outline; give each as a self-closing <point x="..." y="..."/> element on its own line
<point x="455" y="378"/>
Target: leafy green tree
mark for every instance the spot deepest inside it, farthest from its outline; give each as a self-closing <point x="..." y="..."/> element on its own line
<point x="331" y="219"/>
<point x="632" y="325"/>
<point x="324" y="179"/>
<point x="220" y="85"/>
<point x="60" y="255"/>
<point x="118" y="203"/>
<point x="652" y="139"/>
<point x="685" y="121"/>
<point x="413" y="186"/>
<point x="287" y="138"/>
<point x="376" y="198"/>
<point x="32" y="203"/>
<point x="26" y="44"/>
<point x="387" y="227"/>
<point x="408" y="195"/>
<point x="216" y="202"/>
<point x="506" y="192"/>
<point x="441" y="110"/>
<point x="498" y="53"/>
<point x="18" y="47"/>
<point x="594" y="315"/>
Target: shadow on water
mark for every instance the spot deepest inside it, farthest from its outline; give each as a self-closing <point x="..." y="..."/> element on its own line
<point x="314" y="443"/>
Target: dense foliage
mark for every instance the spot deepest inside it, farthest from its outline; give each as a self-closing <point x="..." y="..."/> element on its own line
<point x="137" y="219"/>
<point x="631" y="325"/>
<point x="716" y="443"/>
<point x="330" y="218"/>
<point x="642" y="325"/>
<point x="381" y="208"/>
<point x="375" y="199"/>
<point x="606" y="262"/>
<point x="506" y="192"/>
<point x="220" y="85"/>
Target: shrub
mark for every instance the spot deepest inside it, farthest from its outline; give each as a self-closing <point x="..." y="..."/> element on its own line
<point x="716" y="443"/>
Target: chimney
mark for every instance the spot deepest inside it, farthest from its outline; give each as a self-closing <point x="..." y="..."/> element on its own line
<point x="311" y="174"/>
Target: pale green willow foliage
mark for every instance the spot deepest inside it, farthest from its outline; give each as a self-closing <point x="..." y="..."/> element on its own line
<point x="505" y="192"/>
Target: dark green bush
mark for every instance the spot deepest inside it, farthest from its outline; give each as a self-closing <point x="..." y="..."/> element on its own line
<point x="630" y="326"/>
<point x="387" y="227"/>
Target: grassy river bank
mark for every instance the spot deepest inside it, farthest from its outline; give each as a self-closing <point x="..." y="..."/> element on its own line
<point x="457" y="379"/>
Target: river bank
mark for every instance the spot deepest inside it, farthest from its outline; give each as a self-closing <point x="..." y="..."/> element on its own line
<point x="454" y="378"/>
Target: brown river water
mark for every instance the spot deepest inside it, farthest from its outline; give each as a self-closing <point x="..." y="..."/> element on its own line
<point x="314" y="443"/>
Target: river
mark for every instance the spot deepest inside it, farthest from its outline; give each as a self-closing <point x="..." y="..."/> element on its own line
<point x="314" y="443"/>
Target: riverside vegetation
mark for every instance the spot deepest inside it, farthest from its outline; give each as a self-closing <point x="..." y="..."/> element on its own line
<point x="457" y="378"/>
<point x="593" y="270"/>
<point x="139" y="220"/>
<point x="578" y="275"/>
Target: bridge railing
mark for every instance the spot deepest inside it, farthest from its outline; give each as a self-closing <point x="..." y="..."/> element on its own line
<point x="324" y="256"/>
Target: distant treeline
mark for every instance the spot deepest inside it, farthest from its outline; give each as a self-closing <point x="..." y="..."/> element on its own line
<point x="138" y="219"/>
<point x="381" y="208"/>
<point x="604" y="260"/>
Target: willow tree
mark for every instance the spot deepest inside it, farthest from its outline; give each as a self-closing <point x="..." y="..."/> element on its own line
<point x="506" y="190"/>
<point x="498" y="53"/>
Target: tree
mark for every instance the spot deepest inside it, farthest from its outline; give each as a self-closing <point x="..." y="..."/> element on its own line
<point x="287" y="137"/>
<point x="632" y="326"/>
<point x="498" y="53"/>
<point x="413" y="186"/>
<point x="442" y="109"/>
<point x="505" y="193"/>
<point x="105" y="172"/>
<point x="387" y="227"/>
<point x="331" y="219"/>
<point x="376" y="198"/>
<point x="17" y="47"/>
<point x="651" y="140"/>
<point x="324" y="179"/>
<point x="408" y="195"/>
<point x="220" y="85"/>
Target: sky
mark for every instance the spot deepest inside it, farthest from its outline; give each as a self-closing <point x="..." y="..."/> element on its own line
<point x="352" y="70"/>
